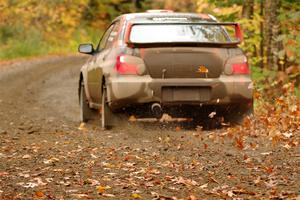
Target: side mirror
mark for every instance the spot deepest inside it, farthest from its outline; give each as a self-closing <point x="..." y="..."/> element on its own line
<point x="86" y="48"/>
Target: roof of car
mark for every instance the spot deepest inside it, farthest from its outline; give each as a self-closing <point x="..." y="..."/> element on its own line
<point x="167" y="16"/>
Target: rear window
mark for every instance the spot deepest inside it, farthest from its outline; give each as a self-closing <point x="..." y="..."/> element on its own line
<point x="168" y="33"/>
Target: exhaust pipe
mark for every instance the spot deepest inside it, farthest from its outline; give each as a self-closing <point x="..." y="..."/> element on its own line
<point x="156" y="110"/>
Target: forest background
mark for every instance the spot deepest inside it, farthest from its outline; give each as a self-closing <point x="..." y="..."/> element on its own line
<point x="271" y="30"/>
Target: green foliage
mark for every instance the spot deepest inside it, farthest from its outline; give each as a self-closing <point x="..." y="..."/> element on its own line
<point x="252" y="38"/>
<point x="290" y="31"/>
<point x="17" y="44"/>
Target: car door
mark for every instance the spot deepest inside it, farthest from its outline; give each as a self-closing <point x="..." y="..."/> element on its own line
<point x="95" y="70"/>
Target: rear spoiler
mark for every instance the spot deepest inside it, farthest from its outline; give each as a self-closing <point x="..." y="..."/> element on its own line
<point x="238" y="34"/>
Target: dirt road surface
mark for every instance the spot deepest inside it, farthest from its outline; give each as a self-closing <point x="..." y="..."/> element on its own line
<point x="43" y="154"/>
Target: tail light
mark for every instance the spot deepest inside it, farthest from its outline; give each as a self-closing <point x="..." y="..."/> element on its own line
<point x="237" y="65"/>
<point x="124" y="67"/>
<point x="240" y="68"/>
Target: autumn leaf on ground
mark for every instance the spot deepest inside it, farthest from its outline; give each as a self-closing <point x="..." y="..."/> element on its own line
<point x="212" y="114"/>
<point x="102" y="189"/>
<point x="27" y="156"/>
<point x="239" y="143"/>
<point x="80" y="196"/>
<point x="192" y="197"/>
<point x="204" y="186"/>
<point x="136" y="196"/>
<point x="165" y="118"/>
<point x="132" y="118"/>
<point x="275" y="140"/>
<point x="287" y="146"/>
<point x="39" y="194"/>
<point x="82" y="127"/>
<point x="269" y="170"/>
<point x="3" y="174"/>
<point x="184" y="181"/>
<point x="246" y="122"/>
<point x="108" y="195"/>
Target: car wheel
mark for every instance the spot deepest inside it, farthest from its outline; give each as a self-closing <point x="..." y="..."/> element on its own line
<point x="239" y="113"/>
<point x="85" y="111"/>
<point x="107" y="116"/>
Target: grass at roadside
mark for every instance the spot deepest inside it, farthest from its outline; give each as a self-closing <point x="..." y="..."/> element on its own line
<point x="266" y="81"/>
<point x="15" y="42"/>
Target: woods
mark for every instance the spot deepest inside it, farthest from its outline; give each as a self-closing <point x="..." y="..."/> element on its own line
<point x="271" y="29"/>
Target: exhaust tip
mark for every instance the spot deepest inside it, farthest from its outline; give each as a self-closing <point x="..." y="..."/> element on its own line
<point x="156" y="110"/>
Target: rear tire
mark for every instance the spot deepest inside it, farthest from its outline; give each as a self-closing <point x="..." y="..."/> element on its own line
<point x="238" y="113"/>
<point x="85" y="111"/>
<point x="107" y="116"/>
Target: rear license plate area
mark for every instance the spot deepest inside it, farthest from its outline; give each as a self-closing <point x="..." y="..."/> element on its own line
<point x="174" y="93"/>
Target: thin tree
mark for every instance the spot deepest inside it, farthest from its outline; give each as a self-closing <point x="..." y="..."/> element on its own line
<point x="272" y="30"/>
<point x="248" y="9"/>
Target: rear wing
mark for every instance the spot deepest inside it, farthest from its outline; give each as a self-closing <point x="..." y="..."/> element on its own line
<point x="237" y="28"/>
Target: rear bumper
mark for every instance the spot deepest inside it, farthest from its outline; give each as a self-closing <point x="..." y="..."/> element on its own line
<point x="129" y="90"/>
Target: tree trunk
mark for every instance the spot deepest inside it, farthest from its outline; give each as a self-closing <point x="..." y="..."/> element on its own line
<point x="272" y="30"/>
<point x="262" y="34"/>
<point x="248" y="9"/>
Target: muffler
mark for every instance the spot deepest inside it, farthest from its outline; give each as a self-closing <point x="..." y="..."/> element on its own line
<point x="156" y="110"/>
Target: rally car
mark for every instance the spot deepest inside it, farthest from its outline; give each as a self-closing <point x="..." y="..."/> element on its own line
<point x="163" y="61"/>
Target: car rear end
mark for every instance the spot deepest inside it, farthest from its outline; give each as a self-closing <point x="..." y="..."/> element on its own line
<point x="178" y="60"/>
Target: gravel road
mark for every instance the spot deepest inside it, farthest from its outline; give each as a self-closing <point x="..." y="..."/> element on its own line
<point x="43" y="154"/>
<point x="42" y="93"/>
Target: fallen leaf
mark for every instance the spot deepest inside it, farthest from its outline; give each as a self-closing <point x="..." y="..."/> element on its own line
<point x="192" y="197"/>
<point x="93" y="156"/>
<point x="27" y="156"/>
<point x="177" y="128"/>
<point x="239" y="142"/>
<point x="3" y="173"/>
<point x="82" y="127"/>
<point x="287" y="135"/>
<point x="39" y="194"/>
<point x="102" y="189"/>
<point x="51" y="160"/>
<point x="92" y="182"/>
<point x="212" y="179"/>
<point x="266" y="153"/>
<point x="136" y="196"/>
<point x="269" y="170"/>
<point x="212" y="114"/>
<point x="230" y="194"/>
<point x="258" y="180"/>
<point x="108" y="195"/>
<point x="29" y="185"/>
<point x="271" y="183"/>
<point x="204" y="186"/>
<point x="188" y="182"/>
<point x="132" y="118"/>
<point x="247" y="122"/>
<point x="81" y="195"/>
<point x="165" y="118"/>
<point x="287" y="146"/>
<point x="275" y="139"/>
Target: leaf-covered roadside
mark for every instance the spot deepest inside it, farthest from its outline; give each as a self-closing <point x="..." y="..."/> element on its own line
<point x="260" y="160"/>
